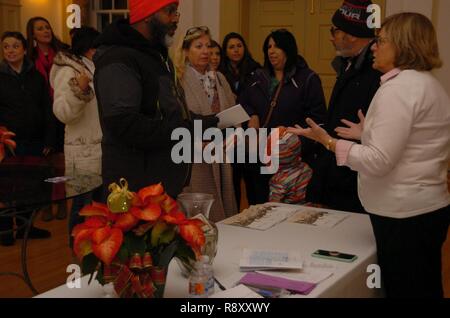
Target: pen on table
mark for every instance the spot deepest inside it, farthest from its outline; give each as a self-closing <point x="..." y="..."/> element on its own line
<point x="219" y="284"/>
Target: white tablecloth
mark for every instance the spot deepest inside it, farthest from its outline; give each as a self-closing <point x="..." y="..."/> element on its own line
<point x="354" y="235"/>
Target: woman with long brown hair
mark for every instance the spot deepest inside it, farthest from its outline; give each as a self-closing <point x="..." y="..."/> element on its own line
<point x="42" y="48"/>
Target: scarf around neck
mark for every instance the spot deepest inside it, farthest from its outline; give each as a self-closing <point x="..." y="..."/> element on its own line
<point x="44" y="64"/>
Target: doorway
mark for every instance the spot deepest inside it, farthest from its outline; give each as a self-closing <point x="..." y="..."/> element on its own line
<point x="308" y="20"/>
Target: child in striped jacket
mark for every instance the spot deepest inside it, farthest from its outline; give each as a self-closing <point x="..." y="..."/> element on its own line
<point x="289" y="184"/>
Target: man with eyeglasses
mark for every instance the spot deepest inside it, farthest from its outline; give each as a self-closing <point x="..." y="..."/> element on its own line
<point x="357" y="83"/>
<point x="140" y="100"/>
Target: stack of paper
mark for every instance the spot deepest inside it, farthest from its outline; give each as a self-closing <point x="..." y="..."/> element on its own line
<point x="319" y="218"/>
<point x="270" y="260"/>
<point x="263" y="216"/>
<point x="268" y="281"/>
<point x="279" y="273"/>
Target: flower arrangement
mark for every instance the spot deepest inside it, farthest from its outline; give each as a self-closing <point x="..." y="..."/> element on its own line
<point x="131" y="240"/>
<point x="5" y="139"/>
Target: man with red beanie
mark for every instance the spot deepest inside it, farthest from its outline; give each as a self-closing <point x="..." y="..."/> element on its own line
<point x="140" y="101"/>
<point x="357" y="83"/>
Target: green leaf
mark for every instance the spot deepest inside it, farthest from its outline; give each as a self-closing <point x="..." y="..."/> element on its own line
<point x="90" y="278"/>
<point x="167" y="236"/>
<point x="157" y="231"/>
<point x="168" y="254"/>
<point x="123" y="253"/>
<point x="100" y="277"/>
<point x="89" y="264"/>
<point x="185" y="252"/>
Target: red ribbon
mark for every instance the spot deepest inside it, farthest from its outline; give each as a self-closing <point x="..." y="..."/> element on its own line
<point x="138" y="281"/>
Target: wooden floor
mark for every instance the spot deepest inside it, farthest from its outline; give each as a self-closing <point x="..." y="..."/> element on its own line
<point x="48" y="260"/>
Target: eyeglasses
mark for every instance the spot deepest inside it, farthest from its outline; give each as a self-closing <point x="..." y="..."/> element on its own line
<point x="333" y="30"/>
<point x="380" y="40"/>
<point x="172" y="10"/>
<point x="195" y="30"/>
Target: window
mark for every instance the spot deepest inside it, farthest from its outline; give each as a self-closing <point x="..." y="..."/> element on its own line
<point x="105" y="12"/>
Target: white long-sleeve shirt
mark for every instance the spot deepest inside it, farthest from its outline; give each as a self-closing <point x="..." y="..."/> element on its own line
<point x="402" y="162"/>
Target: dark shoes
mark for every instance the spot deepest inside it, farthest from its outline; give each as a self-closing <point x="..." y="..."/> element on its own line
<point x="35" y="233"/>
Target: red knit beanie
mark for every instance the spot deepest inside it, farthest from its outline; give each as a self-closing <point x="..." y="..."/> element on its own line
<point x="141" y="9"/>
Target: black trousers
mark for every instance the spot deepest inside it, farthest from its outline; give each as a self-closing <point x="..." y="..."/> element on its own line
<point x="256" y="184"/>
<point x="410" y="253"/>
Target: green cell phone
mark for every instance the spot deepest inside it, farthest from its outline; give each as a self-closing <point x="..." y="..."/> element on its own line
<point x="335" y="256"/>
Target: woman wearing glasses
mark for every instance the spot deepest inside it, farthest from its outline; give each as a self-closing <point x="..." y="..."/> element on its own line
<point x="402" y="161"/>
<point x="284" y="93"/>
<point x="207" y="93"/>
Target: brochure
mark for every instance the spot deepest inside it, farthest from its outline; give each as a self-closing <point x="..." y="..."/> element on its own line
<point x="253" y="260"/>
<point x="232" y="117"/>
<point x="263" y="217"/>
<point x="318" y="218"/>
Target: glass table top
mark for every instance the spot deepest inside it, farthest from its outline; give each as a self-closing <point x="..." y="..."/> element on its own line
<point x="28" y="181"/>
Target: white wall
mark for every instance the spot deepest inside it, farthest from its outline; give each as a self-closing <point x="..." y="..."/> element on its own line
<point x="49" y="9"/>
<point x="186" y="10"/>
<point x="443" y="25"/>
<point x="198" y="13"/>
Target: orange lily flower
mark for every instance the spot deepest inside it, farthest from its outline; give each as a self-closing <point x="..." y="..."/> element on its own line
<point x="103" y="231"/>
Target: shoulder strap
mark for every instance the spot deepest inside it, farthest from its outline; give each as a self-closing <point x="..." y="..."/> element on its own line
<point x="273" y="104"/>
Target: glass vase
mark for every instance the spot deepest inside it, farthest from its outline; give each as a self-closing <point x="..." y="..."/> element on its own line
<point x="198" y="206"/>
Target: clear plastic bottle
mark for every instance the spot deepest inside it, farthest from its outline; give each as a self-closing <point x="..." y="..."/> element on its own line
<point x="209" y="272"/>
<point x="198" y="281"/>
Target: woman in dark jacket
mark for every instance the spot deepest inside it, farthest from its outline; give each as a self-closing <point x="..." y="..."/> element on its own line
<point x="237" y="63"/>
<point x="238" y="66"/>
<point x="25" y="110"/>
<point x="300" y="96"/>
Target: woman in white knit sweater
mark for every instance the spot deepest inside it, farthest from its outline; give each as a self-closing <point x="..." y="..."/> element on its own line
<point x="402" y="161"/>
<point x="75" y="105"/>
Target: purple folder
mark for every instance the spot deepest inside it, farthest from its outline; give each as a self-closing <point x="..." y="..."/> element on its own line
<point x="261" y="280"/>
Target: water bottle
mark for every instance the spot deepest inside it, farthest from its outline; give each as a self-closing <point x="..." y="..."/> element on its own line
<point x="198" y="281"/>
<point x="209" y="272"/>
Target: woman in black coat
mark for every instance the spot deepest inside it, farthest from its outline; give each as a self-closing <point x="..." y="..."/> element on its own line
<point x="238" y="67"/>
<point x="237" y="62"/>
<point x="25" y="110"/>
<point x="299" y="97"/>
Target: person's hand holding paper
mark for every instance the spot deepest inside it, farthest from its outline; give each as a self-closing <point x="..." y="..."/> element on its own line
<point x="232" y="117"/>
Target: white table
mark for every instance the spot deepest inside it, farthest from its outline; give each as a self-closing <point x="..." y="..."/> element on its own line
<point x="354" y="235"/>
